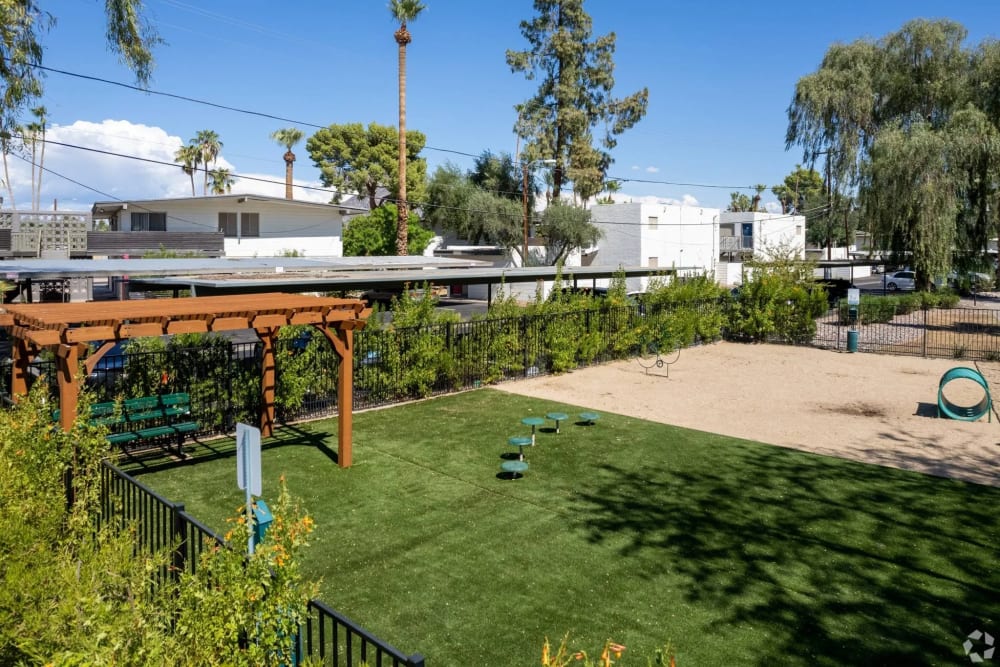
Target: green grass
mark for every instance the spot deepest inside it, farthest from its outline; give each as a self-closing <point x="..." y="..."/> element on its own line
<point x="737" y="552"/>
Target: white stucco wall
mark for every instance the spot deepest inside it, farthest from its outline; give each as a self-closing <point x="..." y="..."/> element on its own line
<point x="682" y="237"/>
<point x="308" y="229"/>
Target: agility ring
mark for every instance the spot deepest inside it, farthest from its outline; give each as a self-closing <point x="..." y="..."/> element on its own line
<point x="968" y="413"/>
<point x="658" y="361"/>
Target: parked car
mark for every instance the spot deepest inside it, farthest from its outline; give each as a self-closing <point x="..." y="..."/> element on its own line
<point x="901" y="280"/>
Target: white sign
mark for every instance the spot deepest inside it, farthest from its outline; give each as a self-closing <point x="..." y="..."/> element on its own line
<point x="248" y="458"/>
<point x="853" y="296"/>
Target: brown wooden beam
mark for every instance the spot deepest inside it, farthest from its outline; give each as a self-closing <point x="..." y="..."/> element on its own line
<point x="139" y="330"/>
<point x="187" y="326"/>
<point x="270" y="321"/>
<point x="67" y="357"/>
<point x="21" y="358"/>
<point x="342" y="342"/>
<point x="90" y="333"/>
<point x="229" y="323"/>
<point x="268" y="382"/>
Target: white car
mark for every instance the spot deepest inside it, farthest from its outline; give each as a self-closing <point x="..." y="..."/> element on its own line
<point x="901" y="280"/>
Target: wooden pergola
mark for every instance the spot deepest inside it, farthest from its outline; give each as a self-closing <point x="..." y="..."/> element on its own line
<point x="70" y="327"/>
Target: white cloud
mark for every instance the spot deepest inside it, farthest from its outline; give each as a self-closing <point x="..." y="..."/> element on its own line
<point x="103" y="176"/>
<point x="686" y="200"/>
<point x="772" y="207"/>
<point x="635" y="167"/>
<point x="652" y="170"/>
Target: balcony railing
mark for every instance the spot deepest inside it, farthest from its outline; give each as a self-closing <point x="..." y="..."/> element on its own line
<point x="735" y="243"/>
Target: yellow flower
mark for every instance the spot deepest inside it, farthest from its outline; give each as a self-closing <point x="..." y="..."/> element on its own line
<point x="545" y="653"/>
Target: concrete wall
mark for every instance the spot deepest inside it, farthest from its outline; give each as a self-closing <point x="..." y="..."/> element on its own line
<point x="639" y="234"/>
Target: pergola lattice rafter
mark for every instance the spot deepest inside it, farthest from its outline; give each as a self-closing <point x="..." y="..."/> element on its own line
<point x="67" y="327"/>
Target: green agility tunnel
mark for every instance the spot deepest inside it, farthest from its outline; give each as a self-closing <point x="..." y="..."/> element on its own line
<point x="969" y="413"/>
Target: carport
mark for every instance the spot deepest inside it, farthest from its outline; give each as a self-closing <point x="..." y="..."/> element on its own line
<point x="69" y="327"/>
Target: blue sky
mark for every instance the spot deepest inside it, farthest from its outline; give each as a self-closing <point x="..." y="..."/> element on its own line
<point x="720" y="76"/>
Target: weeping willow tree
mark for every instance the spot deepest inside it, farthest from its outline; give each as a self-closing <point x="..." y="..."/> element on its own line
<point x="908" y="126"/>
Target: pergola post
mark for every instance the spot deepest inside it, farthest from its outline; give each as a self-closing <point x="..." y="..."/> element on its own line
<point x="19" y="368"/>
<point x="67" y="358"/>
<point x="268" y="382"/>
<point x="342" y="342"/>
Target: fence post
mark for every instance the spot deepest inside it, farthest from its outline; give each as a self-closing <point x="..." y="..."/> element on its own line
<point x="925" y="331"/>
<point x="178" y="535"/>
<point x="524" y="343"/>
<point x="416" y="660"/>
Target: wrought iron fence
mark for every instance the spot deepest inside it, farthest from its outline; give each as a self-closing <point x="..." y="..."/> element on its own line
<point x="160" y="525"/>
<point x="398" y="364"/>
<point x="956" y="333"/>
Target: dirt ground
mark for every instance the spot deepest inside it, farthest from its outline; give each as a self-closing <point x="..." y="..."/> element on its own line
<point x="878" y="409"/>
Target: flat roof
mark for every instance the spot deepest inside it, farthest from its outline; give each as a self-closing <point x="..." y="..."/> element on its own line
<point x="49" y="269"/>
<point x="395" y="279"/>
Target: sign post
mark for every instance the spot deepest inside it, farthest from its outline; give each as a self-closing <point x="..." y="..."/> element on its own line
<point x="248" y="470"/>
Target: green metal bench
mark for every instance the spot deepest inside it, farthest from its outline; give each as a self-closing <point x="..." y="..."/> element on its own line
<point x="148" y="420"/>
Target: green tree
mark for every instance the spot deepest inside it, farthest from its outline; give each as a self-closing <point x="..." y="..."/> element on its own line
<point x="455" y="203"/>
<point x="873" y="102"/>
<point x="739" y="202"/>
<point x="288" y="137"/>
<point x="374" y="234"/>
<point x="353" y="158"/>
<point x="573" y="97"/>
<point x="802" y="192"/>
<point x="500" y="175"/>
<point x="567" y="228"/>
<point x="222" y="181"/>
<point x="22" y="26"/>
<point x="208" y="143"/>
<point x="34" y="136"/>
<point x="190" y="157"/>
<point x="403" y="11"/>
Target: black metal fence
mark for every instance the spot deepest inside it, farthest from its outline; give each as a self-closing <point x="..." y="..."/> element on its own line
<point x="159" y="525"/>
<point x="955" y="333"/>
<point x="398" y="364"/>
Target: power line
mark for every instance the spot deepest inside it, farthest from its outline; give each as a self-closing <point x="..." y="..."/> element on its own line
<point x="270" y="116"/>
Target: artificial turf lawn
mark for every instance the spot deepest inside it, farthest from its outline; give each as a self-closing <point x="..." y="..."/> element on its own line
<point x="736" y="552"/>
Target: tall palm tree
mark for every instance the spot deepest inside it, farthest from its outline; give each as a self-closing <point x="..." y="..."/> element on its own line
<point x="403" y="11"/>
<point x="222" y="181"/>
<point x="6" y="146"/>
<point x="41" y="114"/>
<point x="208" y="142"/>
<point x="288" y="137"/>
<point x="190" y="157"/>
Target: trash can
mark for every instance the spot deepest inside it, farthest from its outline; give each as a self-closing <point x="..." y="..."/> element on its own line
<point x="852" y="340"/>
<point x="262" y="519"/>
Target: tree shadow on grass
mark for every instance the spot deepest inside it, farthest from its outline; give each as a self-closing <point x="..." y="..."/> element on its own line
<point x="225" y="447"/>
<point x="834" y="563"/>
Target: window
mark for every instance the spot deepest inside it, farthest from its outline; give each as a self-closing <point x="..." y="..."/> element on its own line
<point x="798" y="230"/>
<point x="653" y="263"/>
<point x="149" y="222"/>
<point x="249" y="224"/>
<point x="652" y="222"/>
<point x="227" y="224"/>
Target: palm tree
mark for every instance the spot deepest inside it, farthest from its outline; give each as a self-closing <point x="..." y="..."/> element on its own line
<point x="41" y="113"/>
<point x="288" y="137"/>
<point x="222" y="181"/>
<point x="189" y="156"/>
<point x="6" y="146"/>
<point x="404" y="11"/>
<point x="208" y="143"/>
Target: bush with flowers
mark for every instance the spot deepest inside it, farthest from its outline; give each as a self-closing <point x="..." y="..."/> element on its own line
<point x="610" y="654"/>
